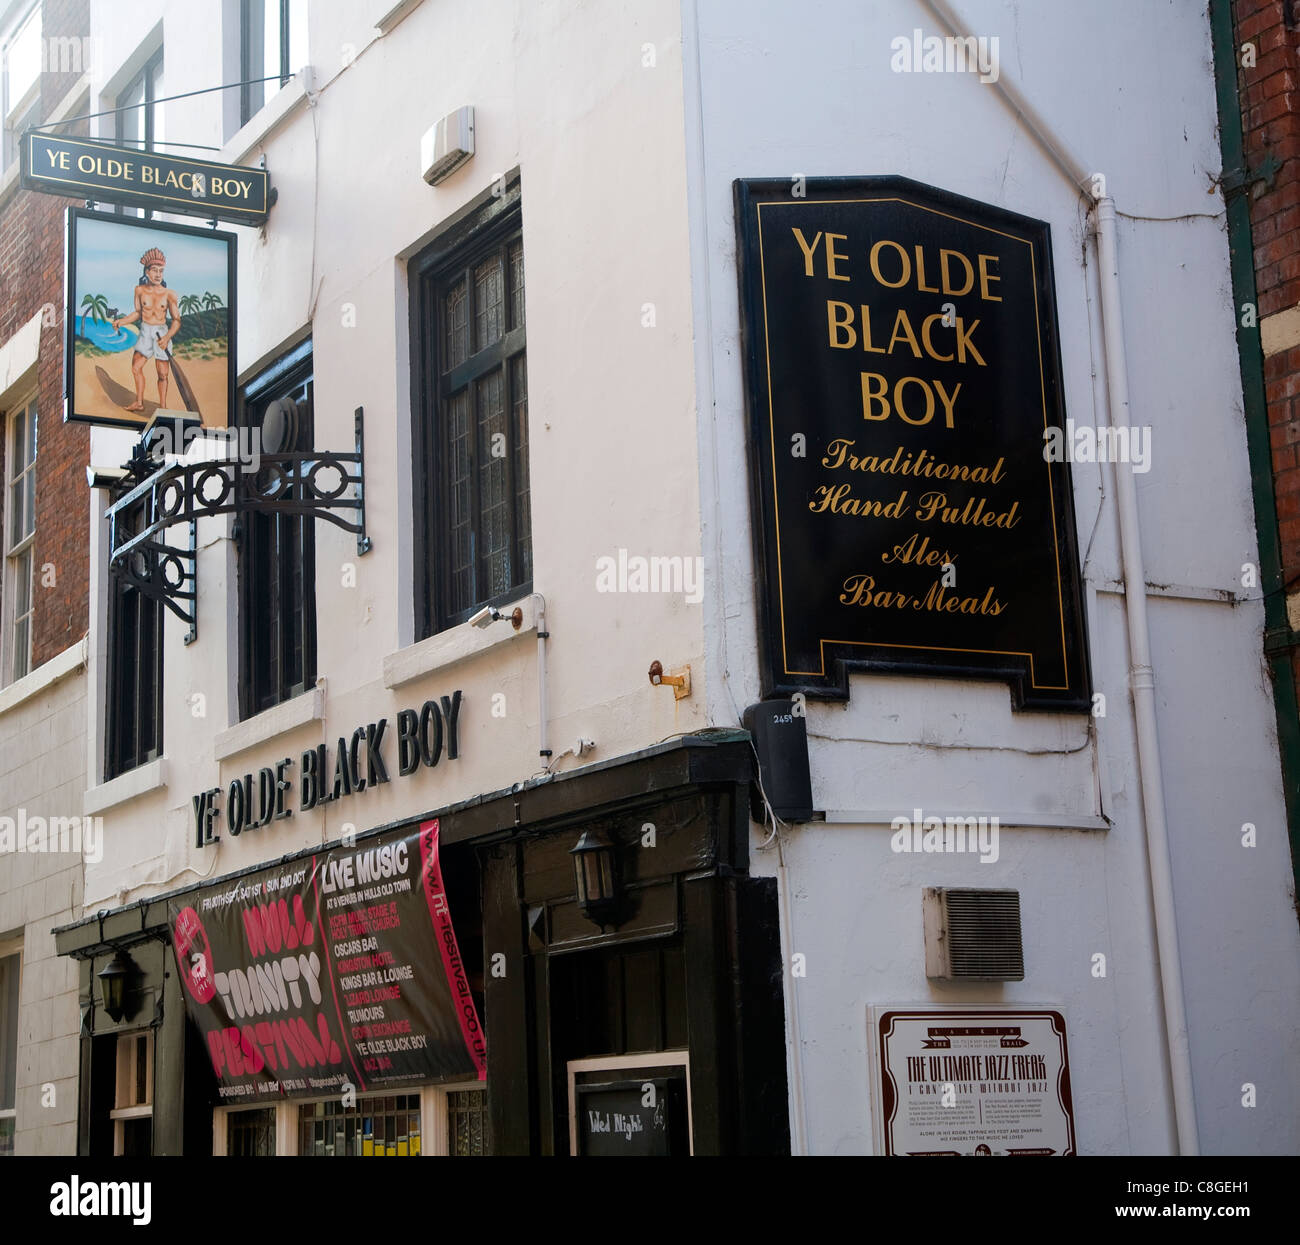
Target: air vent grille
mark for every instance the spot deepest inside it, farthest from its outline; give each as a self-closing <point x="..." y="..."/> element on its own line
<point x="973" y="935"/>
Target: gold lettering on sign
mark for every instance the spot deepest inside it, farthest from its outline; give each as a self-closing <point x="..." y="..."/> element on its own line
<point x="972" y="514"/>
<point x="922" y="557"/>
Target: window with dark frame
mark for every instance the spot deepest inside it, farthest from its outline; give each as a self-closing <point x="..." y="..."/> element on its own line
<point x="471" y="411"/>
<point x="139" y="118"/>
<point x="135" y="662"/>
<point x="272" y="43"/>
<point x="251" y="1134"/>
<point x="277" y="556"/>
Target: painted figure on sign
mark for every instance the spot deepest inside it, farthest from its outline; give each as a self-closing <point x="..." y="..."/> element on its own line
<point x="154" y="304"/>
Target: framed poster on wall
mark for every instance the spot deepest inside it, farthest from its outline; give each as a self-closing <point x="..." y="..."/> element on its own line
<point x="971" y="1081"/>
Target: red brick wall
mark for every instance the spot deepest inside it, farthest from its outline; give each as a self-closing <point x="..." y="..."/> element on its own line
<point x="1270" y="106"/>
<point x="31" y="278"/>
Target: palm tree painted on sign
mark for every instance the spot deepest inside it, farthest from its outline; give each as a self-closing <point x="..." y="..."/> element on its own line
<point x="211" y="301"/>
<point x="190" y="304"/>
<point x="95" y="307"/>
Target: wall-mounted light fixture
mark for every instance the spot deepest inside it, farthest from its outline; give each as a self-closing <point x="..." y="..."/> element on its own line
<point x="115" y="981"/>
<point x="679" y="680"/>
<point x="595" y="867"/>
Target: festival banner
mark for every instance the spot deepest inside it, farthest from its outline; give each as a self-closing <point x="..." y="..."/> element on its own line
<point x="332" y="970"/>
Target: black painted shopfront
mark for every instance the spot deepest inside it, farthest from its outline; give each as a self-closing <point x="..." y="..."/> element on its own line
<point x="655" y="1027"/>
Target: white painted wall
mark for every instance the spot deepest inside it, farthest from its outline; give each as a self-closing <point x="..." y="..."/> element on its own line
<point x="777" y="90"/>
<point x="561" y="93"/>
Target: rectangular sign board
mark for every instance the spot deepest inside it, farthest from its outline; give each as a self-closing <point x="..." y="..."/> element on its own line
<point x="952" y="1081"/>
<point x="83" y="168"/>
<point x="149" y="321"/>
<point x="639" y="1117"/>
<point x="902" y="371"/>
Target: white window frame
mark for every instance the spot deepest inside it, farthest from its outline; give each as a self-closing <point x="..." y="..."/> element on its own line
<point x="8" y="947"/>
<point x="124" y="1105"/>
<point x="433" y="1118"/>
<point x="15" y="110"/>
<point x="9" y="626"/>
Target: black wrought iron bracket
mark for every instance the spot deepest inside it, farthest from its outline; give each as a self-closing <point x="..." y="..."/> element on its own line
<point x="315" y="485"/>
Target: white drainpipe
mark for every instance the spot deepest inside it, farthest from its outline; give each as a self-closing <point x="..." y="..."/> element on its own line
<point x="1141" y="673"/>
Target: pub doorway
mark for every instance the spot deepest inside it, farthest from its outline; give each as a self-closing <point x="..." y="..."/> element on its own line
<point x="618" y="1046"/>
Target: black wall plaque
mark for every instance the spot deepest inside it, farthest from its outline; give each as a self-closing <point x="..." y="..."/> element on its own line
<point x="902" y="364"/>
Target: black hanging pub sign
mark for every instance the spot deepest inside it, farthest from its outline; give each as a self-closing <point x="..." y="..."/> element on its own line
<point x="82" y="168"/>
<point x="902" y="369"/>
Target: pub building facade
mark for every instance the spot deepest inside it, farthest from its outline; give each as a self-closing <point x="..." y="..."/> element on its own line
<point x="688" y="662"/>
<point x="355" y="753"/>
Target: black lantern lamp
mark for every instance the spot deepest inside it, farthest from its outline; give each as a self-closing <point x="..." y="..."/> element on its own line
<point x="114" y="980"/>
<point x="595" y="865"/>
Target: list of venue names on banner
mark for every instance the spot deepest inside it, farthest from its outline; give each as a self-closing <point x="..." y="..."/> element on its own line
<point x="902" y="372"/>
<point x="337" y="969"/>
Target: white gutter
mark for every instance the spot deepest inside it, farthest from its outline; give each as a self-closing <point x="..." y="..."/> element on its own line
<point x="539" y="617"/>
<point x="1141" y="672"/>
<point x="1143" y="684"/>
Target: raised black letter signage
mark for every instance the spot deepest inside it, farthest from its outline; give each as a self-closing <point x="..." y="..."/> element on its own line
<point x="902" y="367"/>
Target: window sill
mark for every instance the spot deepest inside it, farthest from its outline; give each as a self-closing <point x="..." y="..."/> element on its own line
<point x="151" y="776"/>
<point x="277" y="720"/>
<point x="455" y="645"/>
<point x="18" y="359"/>
<point x="267" y="119"/>
<point x="70" y="661"/>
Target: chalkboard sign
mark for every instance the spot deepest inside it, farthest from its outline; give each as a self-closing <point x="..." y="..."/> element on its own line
<point x="645" y="1116"/>
<point x="912" y="510"/>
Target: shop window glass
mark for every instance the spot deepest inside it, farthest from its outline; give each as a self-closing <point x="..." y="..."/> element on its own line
<point x="380" y="1126"/>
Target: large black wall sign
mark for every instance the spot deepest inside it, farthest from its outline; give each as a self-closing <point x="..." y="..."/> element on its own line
<point x="902" y="366"/>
